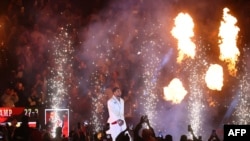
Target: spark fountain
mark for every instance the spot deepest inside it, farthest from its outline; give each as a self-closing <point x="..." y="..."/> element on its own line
<point x="241" y="113"/>
<point x="98" y="101"/>
<point x="101" y="53"/>
<point x="60" y="69"/>
<point x="150" y="46"/>
<point x="61" y="74"/>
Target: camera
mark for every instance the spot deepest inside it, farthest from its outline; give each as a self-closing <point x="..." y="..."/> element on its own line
<point x="145" y="118"/>
<point x="213" y="133"/>
<point x="189" y="128"/>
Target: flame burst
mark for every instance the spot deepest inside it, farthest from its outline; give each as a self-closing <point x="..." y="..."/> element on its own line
<point x="183" y="31"/>
<point x="214" y="77"/>
<point x="175" y="91"/>
<point x="228" y="48"/>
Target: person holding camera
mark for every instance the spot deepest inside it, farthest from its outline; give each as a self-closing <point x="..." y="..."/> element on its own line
<point x="142" y="128"/>
<point x="213" y="136"/>
<point x="192" y="132"/>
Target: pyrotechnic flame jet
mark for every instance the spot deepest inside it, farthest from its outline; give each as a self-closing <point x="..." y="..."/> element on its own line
<point x="183" y="32"/>
<point x="228" y="42"/>
<point x="175" y="92"/>
<point x="214" y="77"/>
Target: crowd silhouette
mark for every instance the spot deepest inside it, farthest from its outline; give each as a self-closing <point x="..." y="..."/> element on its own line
<point x="142" y="132"/>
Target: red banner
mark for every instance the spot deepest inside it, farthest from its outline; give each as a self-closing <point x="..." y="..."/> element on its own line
<point x="7" y="112"/>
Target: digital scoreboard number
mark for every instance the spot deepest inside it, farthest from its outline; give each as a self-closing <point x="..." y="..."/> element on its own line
<point x="31" y="112"/>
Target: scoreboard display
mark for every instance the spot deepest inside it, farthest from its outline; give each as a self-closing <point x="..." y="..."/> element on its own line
<point x="31" y="112"/>
<point x="54" y="117"/>
<point x="17" y="112"/>
<point x="7" y="114"/>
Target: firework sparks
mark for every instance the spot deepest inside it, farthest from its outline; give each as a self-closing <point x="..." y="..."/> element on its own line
<point x="151" y="56"/>
<point x="195" y="105"/>
<point x="99" y="49"/>
<point x="61" y="74"/>
<point x="242" y="112"/>
<point x="149" y="94"/>
<point x="97" y="102"/>
<point x="228" y="43"/>
<point x="183" y="31"/>
<point x="242" y="109"/>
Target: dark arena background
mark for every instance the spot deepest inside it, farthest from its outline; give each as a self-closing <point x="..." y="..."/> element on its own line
<point x="181" y="62"/>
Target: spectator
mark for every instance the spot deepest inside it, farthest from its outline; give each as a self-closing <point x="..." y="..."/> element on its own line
<point x="40" y="87"/>
<point x="36" y="134"/>
<point x="107" y="136"/>
<point x="192" y="132"/>
<point x="23" y="133"/>
<point x="59" y="135"/>
<point x="20" y="90"/>
<point x="46" y="135"/>
<point x="12" y="128"/>
<point x="148" y="135"/>
<point x="123" y="136"/>
<point x="34" y="99"/>
<point x="213" y="136"/>
<point x="168" y="137"/>
<point x="183" y="138"/>
<point x="143" y="124"/>
<point x="3" y="133"/>
<point x="80" y="133"/>
<point x="9" y="98"/>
